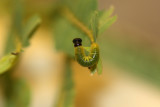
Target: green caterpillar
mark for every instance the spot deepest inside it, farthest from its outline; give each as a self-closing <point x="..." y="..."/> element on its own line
<point x="89" y="60"/>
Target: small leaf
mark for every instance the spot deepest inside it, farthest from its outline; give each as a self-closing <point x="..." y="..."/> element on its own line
<point x="94" y="25"/>
<point x="10" y="45"/>
<point x="7" y="62"/>
<point x="106" y="14"/>
<point x="105" y="19"/>
<point x="99" y="67"/>
<point x="106" y="24"/>
<point x="30" y="29"/>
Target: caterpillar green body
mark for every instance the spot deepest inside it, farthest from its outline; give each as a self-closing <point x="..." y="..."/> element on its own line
<point x="86" y="60"/>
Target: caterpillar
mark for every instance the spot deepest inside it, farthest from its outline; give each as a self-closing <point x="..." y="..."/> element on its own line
<point x="89" y="60"/>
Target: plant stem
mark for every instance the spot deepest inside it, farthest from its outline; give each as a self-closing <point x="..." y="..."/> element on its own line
<point x="67" y="93"/>
<point x="70" y="16"/>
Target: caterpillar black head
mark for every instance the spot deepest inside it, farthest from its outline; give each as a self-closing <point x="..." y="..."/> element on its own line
<point x="77" y="42"/>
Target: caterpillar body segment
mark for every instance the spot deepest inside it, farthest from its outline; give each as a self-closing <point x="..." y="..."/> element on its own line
<point x="86" y="60"/>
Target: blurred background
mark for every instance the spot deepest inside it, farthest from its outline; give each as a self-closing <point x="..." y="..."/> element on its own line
<point x="129" y="50"/>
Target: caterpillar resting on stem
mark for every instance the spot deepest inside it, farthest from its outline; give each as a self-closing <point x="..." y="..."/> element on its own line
<point x="86" y="60"/>
<point x="92" y="58"/>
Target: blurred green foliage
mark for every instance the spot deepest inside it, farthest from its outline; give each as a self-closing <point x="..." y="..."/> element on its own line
<point x="7" y="62"/>
<point x="86" y="15"/>
<point x="30" y="28"/>
<point x="67" y="93"/>
<point x="16" y="91"/>
<point x="106" y="19"/>
<point x="65" y="30"/>
<point x="18" y="35"/>
<point x="123" y="54"/>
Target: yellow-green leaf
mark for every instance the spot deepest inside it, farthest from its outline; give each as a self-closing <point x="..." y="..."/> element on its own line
<point x="94" y="24"/>
<point x="106" y="19"/>
<point x="106" y="14"/>
<point x="107" y="23"/>
<point x="7" y="62"/>
<point x="30" y="29"/>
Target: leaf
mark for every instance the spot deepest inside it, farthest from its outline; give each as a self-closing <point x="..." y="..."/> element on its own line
<point x="94" y="24"/>
<point x="7" y="62"/>
<point x="30" y="29"/>
<point x="14" y="43"/>
<point x="84" y="12"/>
<point x="18" y="15"/>
<point x="16" y="92"/>
<point x="10" y="45"/>
<point x="99" y="66"/>
<point x="107" y="23"/>
<point x="106" y="14"/>
<point x="16" y="26"/>
<point x="106" y="20"/>
<point x="65" y="31"/>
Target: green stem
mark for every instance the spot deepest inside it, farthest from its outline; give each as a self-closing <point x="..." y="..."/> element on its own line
<point x="67" y="93"/>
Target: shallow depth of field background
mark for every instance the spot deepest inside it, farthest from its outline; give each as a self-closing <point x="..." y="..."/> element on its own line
<point x="137" y="26"/>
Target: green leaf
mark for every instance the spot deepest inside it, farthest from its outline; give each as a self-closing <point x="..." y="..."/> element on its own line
<point x="107" y="23"/>
<point x="30" y="29"/>
<point x="99" y="66"/>
<point x="82" y="9"/>
<point x="18" y="15"/>
<point x="10" y="45"/>
<point x="65" y="31"/>
<point x="7" y="62"/>
<point x="16" y="26"/>
<point x="106" y="14"/>
<point x="106" y="20"/>
<point x="94" y="24"/>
